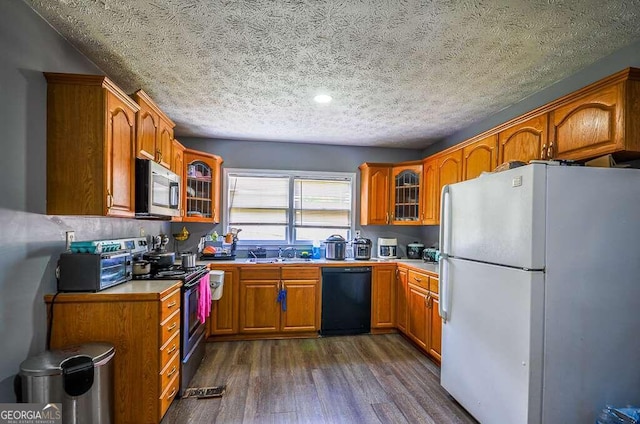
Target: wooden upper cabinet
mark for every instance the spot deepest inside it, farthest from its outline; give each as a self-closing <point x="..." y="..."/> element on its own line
<point x="165" y="142"/>
<point x="524" y="141"/>
<point x="202" y="185"/>
<point x="374" y="194"/>
<point x="430" y="191"/>
<point x="406" y="190"/>
<point x="480" y="156"/>
<point x="146" y="127"/>
<point x="154" y="138"/>
<point x="119" y="159"/>
<point x="90" y="147"/>
<point x="449" y="171"/>
<point x="600" y="119"/>
<point x="177" y="158"/>
<point x="590" y="126"/>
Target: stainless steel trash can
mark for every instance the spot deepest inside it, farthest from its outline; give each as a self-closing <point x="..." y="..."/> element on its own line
<point x="80" y="377"/>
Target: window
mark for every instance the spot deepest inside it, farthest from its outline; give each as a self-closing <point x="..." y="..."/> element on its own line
<point x="288" y="207"/>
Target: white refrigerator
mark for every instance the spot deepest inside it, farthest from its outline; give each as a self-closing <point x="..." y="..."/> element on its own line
<point x="540" y="293"/>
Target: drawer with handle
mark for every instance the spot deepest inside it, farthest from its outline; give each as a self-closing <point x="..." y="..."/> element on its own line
<point x="169" y="394"/>
<point x="169" y="305"/>
<point x="168" y="350"/>
<point x="169" y="327"/>
<point x="169" y="371"/>
<point x="419" y="279"/>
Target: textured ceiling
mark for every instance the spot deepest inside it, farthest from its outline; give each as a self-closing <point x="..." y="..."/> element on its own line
<point x="402" y="73"/>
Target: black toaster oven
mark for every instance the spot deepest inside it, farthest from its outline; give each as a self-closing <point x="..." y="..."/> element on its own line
<point x="93" y="272"/>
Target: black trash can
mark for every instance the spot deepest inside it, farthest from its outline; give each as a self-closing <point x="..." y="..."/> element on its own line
<point x="80" y="377"/>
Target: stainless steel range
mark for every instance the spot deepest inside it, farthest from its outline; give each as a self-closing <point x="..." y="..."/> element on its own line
<point x="192" y="330"/>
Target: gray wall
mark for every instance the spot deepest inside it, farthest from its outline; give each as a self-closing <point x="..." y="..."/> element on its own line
<point x="298" y="156"/>
<point x="30" y="241"/>
<point x="617" y="61"/>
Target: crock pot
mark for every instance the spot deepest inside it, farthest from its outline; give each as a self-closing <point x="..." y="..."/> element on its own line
<point x="361" y="248"/>
<point x="414" y="250"/>
<point x="335" y="247"/>
<point x="141" y="267"/>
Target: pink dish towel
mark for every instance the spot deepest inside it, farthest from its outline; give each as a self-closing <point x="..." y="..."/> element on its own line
<point x="204" y="301"/>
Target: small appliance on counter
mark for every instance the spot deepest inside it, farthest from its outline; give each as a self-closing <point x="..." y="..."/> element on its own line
<point x="361" y="248"/>
<point x="430" y="254"/>
<point x="98" y="264"/>
<point x="414" y="250"/>
<point x="335" y="247"/>
<point x="387" y="248"/>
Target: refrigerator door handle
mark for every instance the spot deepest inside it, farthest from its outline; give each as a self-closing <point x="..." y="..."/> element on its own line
<point x="445" y="232"/>
<point x="443" y="288"/>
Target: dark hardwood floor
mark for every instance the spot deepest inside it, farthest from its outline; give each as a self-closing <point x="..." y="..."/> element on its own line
<point x="347" y="379"/>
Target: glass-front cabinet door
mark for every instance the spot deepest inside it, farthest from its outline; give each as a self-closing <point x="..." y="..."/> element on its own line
<point x="405" y="198"/>
<point x="201" y="188"/>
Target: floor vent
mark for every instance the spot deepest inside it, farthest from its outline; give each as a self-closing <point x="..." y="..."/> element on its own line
<point x="204" y="392"/>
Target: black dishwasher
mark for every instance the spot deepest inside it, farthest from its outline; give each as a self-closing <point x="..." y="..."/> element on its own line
<point x="346" y="300"/>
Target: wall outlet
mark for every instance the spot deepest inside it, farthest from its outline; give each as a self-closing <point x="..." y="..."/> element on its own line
<point x="71" y="237"/>
<point x="143" y="233"/>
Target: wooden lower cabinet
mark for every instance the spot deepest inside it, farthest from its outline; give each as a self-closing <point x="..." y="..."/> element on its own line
<point x="383" y="297"/>
<point x="262" y="313"/>
<point x="301" y="307"/>
<point x="224" y="312"/>
<point x="435" y="328"/>
<point x="259" y="310"/>
<point x="417" y="320"/>
<point x="144" y="327"/>
<point x="422" y="323"/>
<point x="401" y="299"/>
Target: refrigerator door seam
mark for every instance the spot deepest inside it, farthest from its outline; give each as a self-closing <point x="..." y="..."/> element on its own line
<point x="496" y="264"/>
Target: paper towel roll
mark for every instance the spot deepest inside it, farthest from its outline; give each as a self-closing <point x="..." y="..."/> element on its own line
<point x="216" y="282"/>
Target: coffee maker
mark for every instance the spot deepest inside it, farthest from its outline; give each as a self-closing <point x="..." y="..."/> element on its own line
<point x="387" y="248"/>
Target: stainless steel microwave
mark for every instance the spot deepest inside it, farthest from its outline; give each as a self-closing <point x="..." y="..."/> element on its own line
<point x="157" y="191"/>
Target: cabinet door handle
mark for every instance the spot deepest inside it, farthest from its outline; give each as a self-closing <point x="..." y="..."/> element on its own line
<point x="172" y="304"/>
<point x="543" y="152"/>
<point x="172" y="326"/>
<point x="109" y="199"/>
<point x="173" y="371"/>
<point x="417" y="279"/>
<point x="387" y="217"/>
<point x="550" y="151"/>
<point x="173" y="349"/>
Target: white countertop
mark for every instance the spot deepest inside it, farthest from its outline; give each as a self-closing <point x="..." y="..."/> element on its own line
<point x="140" y="287"/>
<point x="414" y="263"/>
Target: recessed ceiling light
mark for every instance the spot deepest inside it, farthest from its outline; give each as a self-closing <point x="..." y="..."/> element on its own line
<point x="323" y="98"/>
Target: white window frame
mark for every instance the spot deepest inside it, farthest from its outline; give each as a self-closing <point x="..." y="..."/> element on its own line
<point x="291" y="218"/>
